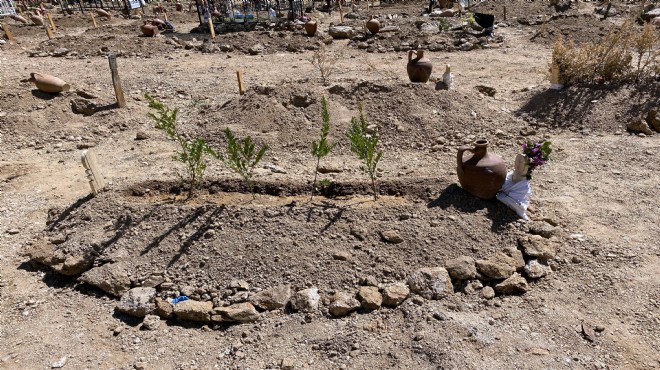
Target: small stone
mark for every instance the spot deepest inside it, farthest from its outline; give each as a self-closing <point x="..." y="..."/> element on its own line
<point x="369" y="281"/>
<point x="112" y="278"/>
<point x="256" y="49"/>
<point x="370" y="298"/>
<point x="517" y="256"/>
<point x="59" y="363"/>
<point x="287" y="364"/>
<point x="341" y="32"/>
<point x="588" y="332"/>
<point x="137" y="302"/>
<point x="342" y="256"/>
<point x="534" y="269"/>
<point x="60" y="52"/>
<point x="543" y="229"/>
<point x="84" y="106"/>
<point x="164" y="308"/>
<point x="239" y="285"/>
<point x="13" y="231"/>
<point x="538" y="247"/>
<point x="241" y="312"/>
<point x="273" y="298"/>
<point x="117" y="330"/>
<point x="193" y="310"/>
<point x="395" y="294"/>
<point x="487" y="292"/>
<point x="360" y="233"/>
<point x="431" y="283"/>
<point x="329" y="168"/>
<point x="343" y="304"/>
<point x="461" y="268"/>
<point x="516" y="284"/>
<point x="306" y="300"/>
<point x="497" y="266"/>
<point x="392" y="236"/>
<point x="538" y="351"/>
<point x="141" y="135"/>
<point x="151" y="322"/>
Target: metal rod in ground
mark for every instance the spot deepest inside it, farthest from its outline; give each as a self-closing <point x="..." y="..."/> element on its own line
<point x="119" y="92"/>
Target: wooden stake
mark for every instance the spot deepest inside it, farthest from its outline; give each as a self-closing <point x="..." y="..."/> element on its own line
<point x="52" y="24"/>
<point x="94" y="20"/>
<point x="119" y="93"/>
<point x="10" y="37"/>
<point x="504" y="12"/>
<point x="165" y="13"/>
<point x="211" y="27"/>
<point x="48" y="32"/>
<point x="94" y="176"/>
<point x="240" y="82"/>
<point x="341" y="13"/>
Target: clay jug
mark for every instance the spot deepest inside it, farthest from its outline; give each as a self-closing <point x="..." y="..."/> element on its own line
<point x="19" y="18"/>
<point x="48" y="84"/>
<point x="373" y="26"/>
<point x="103" y="13"/>
<point x="310" y="28"/>
<point x="149" y="29"/>
<point x="481" y="174"/>
<point x="37" y="20"/>
<point x="419" y="69"/>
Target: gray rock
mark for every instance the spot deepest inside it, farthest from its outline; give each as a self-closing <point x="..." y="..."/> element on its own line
<point x="342" y="256"/>
<point x="516" y="284"/>
<point x="75" y="265"/>
<point x="193" y="310"/>
<point x="306" y="300"/>
<point x="141" y="135"/>
<point x="362" y="45"/>
<point x="226" y="48"/>
<point x="60" y="52"/>
<point x="59" y="363"/>
<point x="639" y="125"/>
<point x="272" y="298"/>
<point x="330" y="168"/>
<point x="538" y="247"/>
<point x="256" y="49"/>
<point x="343" y="304"/>
<point x="461" y="268"/>
<point x="395" y="294"/>
<point x="138" y="302"/>
<point x="341" y="32"/>
<point x="239" y="285"/>
<point x="431" y="283"/>
<point x="360" y="233"/>
<point x="151" y="322"/>
<point x="543" y="228"/>
<point x="370" y="298"/>
<point x="84" y="106"/>
<point x="488" y="293"/>
<point x="391" y="236"/>
<point x="241" y="312"/>
<point x="112" y="278"/>
<point x="653" y="118"/>
<point x="369" y="281"/>
<point x="534" y="269"/>
<point x="429" y="27"/>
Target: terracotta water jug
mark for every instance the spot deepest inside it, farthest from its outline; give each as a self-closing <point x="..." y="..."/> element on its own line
<point x="48" y="84"/>
<point x="481" y="174"/>
<point x="310" y="28"/>
<point x="37" y="20"/>
<point x="373" y="26"/>
<point x="419" y="69"/>
<point x="19" y="18"/>
<point x="150" y="30"/>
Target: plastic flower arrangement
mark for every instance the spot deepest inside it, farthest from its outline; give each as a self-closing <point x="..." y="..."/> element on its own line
<point x="537" y="154"/>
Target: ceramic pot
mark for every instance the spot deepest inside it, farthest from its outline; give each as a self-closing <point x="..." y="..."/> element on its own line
<point x="419" y="69"/>
<point x="149" y="30"/>
<point x="48" y="84"/>
<point x="37" y="20"/>
<point x="310" y="28"/>
<point x="19" y="18"/>
<point x="373" y="26"/>
<point x="481" y="174"/>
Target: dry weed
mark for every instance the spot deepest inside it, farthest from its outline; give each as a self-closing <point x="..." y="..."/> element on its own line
<point x="325" y="61"/>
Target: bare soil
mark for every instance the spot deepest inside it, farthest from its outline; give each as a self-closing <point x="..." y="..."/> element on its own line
<point x="601" y="190"/>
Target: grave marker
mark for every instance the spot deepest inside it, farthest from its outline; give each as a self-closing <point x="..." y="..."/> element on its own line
<point x="94" y="20"/>
<point x="10" y="37"/>
<point x="52" y="24"/>
<point x="211" y="27"/>
<point x="239" y="75"/>
<point x="96" y="181"/>
<point x="119" y="92"/>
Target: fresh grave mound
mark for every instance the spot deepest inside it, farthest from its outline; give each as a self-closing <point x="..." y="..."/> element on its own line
<point x="574" y="27"/>
<point x="289" y="115"/>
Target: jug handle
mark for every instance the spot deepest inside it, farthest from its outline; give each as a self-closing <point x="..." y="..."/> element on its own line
<point x="410" y="53"/>
<point x="459" y="155"/>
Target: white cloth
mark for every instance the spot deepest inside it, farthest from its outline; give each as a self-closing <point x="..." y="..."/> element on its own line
<point x="516" y="195"/>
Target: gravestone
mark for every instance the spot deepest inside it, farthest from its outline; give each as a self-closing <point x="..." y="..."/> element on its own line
<point x="96" y="181"/>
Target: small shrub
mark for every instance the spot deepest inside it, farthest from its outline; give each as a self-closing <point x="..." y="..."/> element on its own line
<point x="321" y="148"/>
<point x="242" y="157"/>
<point x="643" y="44"/>
<point x="443" y="25"/>
<point x="325" y="61"/>
<point x="363" y="144"/>
<point x="191" y="153"/>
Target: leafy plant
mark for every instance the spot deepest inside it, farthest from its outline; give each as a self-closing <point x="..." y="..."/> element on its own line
<point x="363" y="144"/>
<point x="242" y="157"/>
<point x="443" y="24"/>
<point x="192" y="151"/>
<point x="325" y="62"/>
<point x="469" y="19"/>
<point x="537" y="154"/>
<point x="321" y="148"/>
